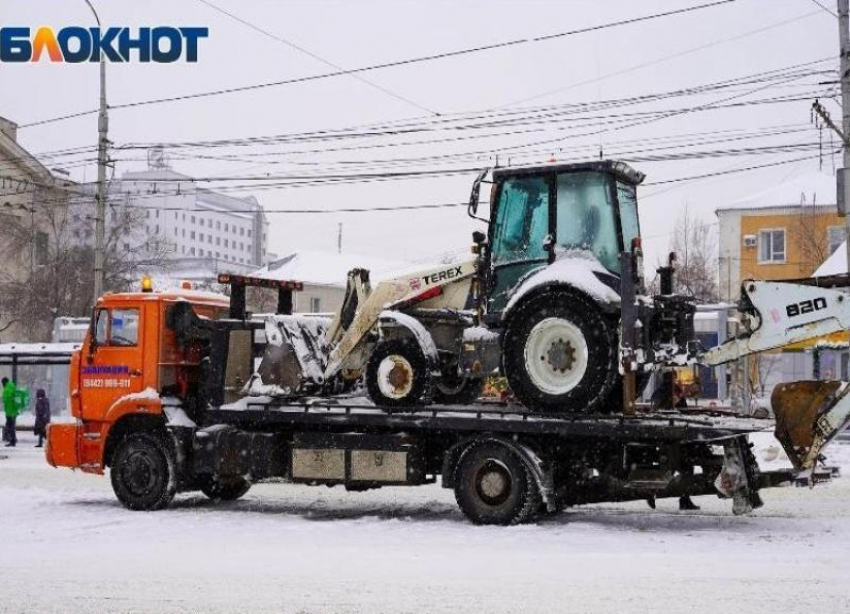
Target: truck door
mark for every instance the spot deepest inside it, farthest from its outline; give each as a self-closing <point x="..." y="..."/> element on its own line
<point x="112" y="367"/>
<point x="520" y="235"/>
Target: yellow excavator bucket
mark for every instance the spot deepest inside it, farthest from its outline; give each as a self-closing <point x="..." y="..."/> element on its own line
<point x="809" y="414"/>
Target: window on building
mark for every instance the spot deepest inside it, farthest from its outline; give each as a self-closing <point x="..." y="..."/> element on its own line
<point x="218" y="225"/>
<point x="315" y="304"/>
<point x="191" y="251"/>
<point x="183" y="232"/>
<point x="242" y="232"/>
<point x="201" y="237"/>
<point x="835" y="236"/>
<point x="226" y="243"/>
<point x="218" y="240"/>
<point x="193" y="219"/>
<point x="249" y="232"/>
<point x="157" y="229"/>
<point x="184" y="217"/>
<point x="226" y="227"/>
<point x="192" y="235"/>
<point x="217" y="255"/>
<point x="209" y="239"/>
<point x="772" y="245"/>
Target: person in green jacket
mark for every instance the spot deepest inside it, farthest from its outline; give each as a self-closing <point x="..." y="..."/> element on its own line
<point x="10" y="408"/>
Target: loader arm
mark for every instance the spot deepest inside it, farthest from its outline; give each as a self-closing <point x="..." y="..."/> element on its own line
<point x="809" y="414"/>
<point x="780" y="313"/>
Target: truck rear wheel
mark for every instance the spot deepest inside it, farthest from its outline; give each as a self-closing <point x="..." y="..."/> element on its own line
<point x="229" y="489"/>
<point x="560" y="354"/>
<point x="494" y="486"/>
<point x="398" y="375"/>
<point x="143" y="473"/>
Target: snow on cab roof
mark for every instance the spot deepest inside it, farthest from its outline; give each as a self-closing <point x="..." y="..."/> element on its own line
<point x="327" y="269"/>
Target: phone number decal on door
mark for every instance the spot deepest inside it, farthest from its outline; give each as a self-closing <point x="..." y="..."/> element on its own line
<point x="106" y="383"/>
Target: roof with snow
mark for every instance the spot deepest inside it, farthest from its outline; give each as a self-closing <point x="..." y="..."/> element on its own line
<point x="327" y="269"/>
<point x="812" y="189"/>
<point x="836" y="264"/>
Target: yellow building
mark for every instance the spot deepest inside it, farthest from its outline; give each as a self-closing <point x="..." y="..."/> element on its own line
<point x="780" y="242"/>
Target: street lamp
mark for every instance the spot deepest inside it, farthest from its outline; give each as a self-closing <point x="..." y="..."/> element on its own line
<point x="102" y="143"/>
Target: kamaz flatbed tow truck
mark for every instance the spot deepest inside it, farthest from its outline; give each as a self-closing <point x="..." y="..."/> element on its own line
<point x="156" y="393"/>
<point x="178" y="391"/>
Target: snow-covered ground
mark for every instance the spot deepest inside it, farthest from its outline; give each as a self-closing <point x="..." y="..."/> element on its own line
<point x="67" y="546"/>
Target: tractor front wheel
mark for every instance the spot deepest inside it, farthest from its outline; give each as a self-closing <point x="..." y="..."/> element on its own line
<point x="398" y="374"/>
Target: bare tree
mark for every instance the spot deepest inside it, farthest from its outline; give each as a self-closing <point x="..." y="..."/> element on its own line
<point x="695" y="245"/>
<point x="57" y="240"/>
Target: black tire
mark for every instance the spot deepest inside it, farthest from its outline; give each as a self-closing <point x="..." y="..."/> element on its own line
<point x="593" y="387"/>
<point x="494" y="486"/>
<point x="143" y="474"/>
<point x="229" y="489"/>
<point x="413" y="377"/>
<point x="454" y="388"/>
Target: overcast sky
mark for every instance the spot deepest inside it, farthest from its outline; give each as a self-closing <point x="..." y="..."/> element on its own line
<point x="694" y="49"/>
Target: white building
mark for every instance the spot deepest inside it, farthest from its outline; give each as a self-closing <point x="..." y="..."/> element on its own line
<point x="324" y="276"/>
<point x="196" y="222"/>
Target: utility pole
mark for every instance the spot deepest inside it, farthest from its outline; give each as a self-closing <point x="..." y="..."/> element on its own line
<point x="102" y="144"/>
<point x="339" y="240"/>
<point x="844" y="38"/>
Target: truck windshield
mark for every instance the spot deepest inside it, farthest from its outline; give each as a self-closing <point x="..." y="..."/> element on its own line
<point x="586" y="217"/>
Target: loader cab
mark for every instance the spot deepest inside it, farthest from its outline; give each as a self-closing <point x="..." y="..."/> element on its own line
<point x="542" y="213"/>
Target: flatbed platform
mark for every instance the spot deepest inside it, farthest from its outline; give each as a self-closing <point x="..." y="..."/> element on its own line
<point x="659" y="426"/>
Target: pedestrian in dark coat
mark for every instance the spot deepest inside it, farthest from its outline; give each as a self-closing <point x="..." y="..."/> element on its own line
<point x="42" y="416"/>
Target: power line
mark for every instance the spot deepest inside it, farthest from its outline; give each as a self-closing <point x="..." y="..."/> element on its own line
<point x="393" y="64"/>
<point x="825" y="9"/>
<point x="316" y="57"/>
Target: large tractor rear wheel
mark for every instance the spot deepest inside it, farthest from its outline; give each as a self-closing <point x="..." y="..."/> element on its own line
<point x="560" y="354"/>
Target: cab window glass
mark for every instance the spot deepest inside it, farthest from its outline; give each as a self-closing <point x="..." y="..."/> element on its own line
<point x="586" y="217"/>
<point x="101" y="322"/>
<point x="125" y="327"/>
<point x="522" y="221"/>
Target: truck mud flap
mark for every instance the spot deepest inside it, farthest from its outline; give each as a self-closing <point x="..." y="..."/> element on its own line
<point x="809" y="414"/>
<point x="739" y="477"/>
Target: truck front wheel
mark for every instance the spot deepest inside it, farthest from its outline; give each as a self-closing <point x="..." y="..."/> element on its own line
<point x="143" y="473"/>
<point x="493" y="486"/>
<point x="560" y="354"/>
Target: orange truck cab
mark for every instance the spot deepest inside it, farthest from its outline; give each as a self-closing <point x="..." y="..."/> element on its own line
<point x="130" y="361"/>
